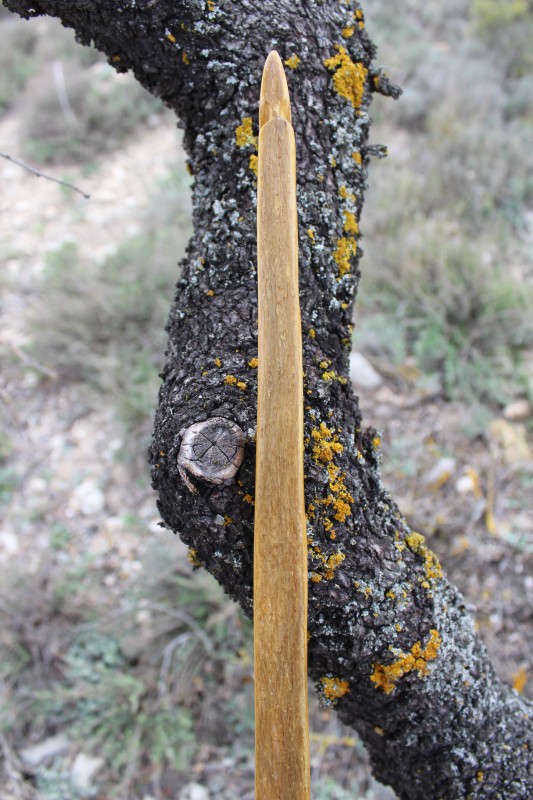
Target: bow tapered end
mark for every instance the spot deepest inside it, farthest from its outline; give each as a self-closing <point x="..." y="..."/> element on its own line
<point x="274" y="99"/>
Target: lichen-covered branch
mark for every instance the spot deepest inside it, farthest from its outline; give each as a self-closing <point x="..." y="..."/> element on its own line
<point x="391" y="644"/>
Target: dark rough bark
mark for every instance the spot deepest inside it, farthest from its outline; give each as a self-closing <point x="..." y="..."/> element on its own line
<point x="391" y="643"/>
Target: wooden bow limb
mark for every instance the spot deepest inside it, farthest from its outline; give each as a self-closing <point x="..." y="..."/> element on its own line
<point x="280" y="546"/>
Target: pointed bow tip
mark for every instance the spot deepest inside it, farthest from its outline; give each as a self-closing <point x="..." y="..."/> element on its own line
<point x="274" y="100"/>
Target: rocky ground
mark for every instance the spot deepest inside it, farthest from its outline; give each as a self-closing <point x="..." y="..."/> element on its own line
<point x="71" y="500"/>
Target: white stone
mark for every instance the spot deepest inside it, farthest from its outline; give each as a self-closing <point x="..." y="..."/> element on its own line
<point x="45" y="750"/>
<point x="441" y="472"/>
<point x="84" y="769"/>
<point x="517" y="410"/>
<point x="194" y="791"/>
<point x="362" y="373"/>
<point x="9" y="543"/>
<point x="465" y="484"/>
<point x="87" y="498"/>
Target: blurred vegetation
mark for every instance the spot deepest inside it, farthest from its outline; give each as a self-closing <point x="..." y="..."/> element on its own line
<point x="134" y="684"/>
<point x="155" y="673"/>
<point x="449" y="218"/>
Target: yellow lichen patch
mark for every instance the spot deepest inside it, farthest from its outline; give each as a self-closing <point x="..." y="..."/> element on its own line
<point x="480" y="776"/>
<point x="357" y="158"/>
<point x="311" y="234"/>
<point x="185" y="58"/>
<point x="218" y="362"/>
<point x="379" y="731"/>
<point x="310" y="513"/>
<point x="293" y="61"/>
<point x="350" y="223"/>
<point x="324" y="364"/>
<point x="349" y="78"/>
<point x="115" y="59"/>
<point x="346" y="248"/>
<point x="376" y="441"/>
<point x="376" y="81"/>
<point x="171" y="37"/>
<point x="254" y="161"/>
<point x="326" y="444"/>
<point x="231" y="380"/>
<point x="244" y="135"/>
<point x="192" y="556"/>
<point x="386" y="677"/>
<point x="358" y="14"/>
<point x="312" y="333"/>
<point x="253" y="362"/>
<point x="346" y="194"/>
<point x="227" y="520"/>
<point x="210" y="293"/>
<point x="211" y="5"/>
<point x="415" y="542"/>
<point x="334" y="688"/>
<point x="249" y="499"/>
<point x="348" y="32"/>
<point x="241" y="385"/>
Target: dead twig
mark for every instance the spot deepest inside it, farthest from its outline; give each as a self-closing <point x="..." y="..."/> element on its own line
<point x="39" y="174"/>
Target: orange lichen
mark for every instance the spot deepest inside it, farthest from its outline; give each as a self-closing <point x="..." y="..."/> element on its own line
<point x="334" y="688"/>
<point x="249" y="499"/>
<point x="348" y="32"/>
<point x="171" y="37"/>
<point x="346" y="248"/>
<point x="387" y="676"/>
<point x="227" y="520"/>
<point x="185" y="58"/>
<point x="331" y="563"/>
<point x="520" y="679"/>
<point x="415" y="542"/>
<point x="293" y="61"/>
<point x="349" y="78"/>
<point x="244" y="135"/>
<point x="326" y="444"/>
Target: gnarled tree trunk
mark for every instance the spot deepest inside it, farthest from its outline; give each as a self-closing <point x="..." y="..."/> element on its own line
<point x="391" y="644"/>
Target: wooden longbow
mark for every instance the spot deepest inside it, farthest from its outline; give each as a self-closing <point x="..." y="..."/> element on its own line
<point x="280" y="547"/>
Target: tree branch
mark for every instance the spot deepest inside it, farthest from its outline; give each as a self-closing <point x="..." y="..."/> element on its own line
<point x="391" y="644"/>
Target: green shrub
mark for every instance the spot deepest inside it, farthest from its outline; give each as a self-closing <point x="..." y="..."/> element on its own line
<point x="102" y="109"/>
<point x="17" y="60"/>
<point x="489" y="14"/>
